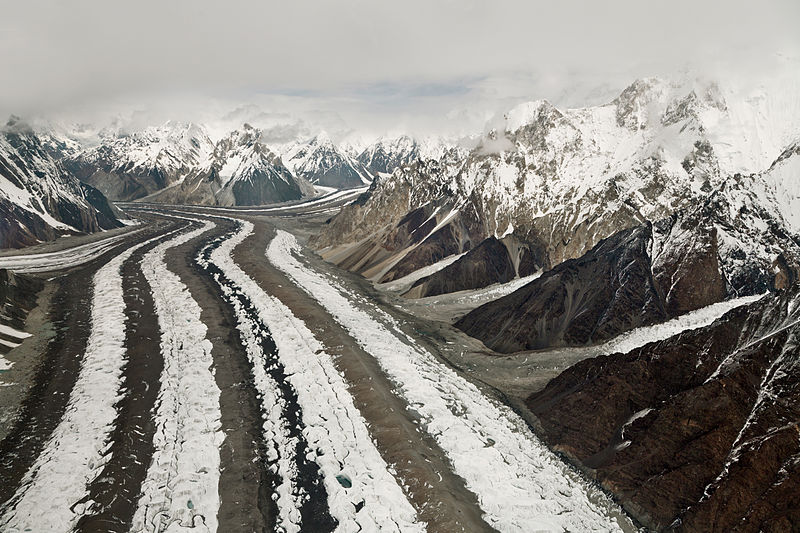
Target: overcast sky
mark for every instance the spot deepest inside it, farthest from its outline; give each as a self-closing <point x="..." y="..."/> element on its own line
<point x="409" y="64"/>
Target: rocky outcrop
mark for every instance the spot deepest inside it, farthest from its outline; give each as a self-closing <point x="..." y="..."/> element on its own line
<point x="18" y="294"/>
<point x="487" y="263"/>
<point x="609" y="290"/>
<point x="39" y="199"/>
<point x="686" y="266"/>
<point x="697" y="432"/>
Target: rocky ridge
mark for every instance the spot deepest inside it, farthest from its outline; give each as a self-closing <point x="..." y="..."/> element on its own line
<point x="39" y="199"/>
<point x="560" y="181"/>
<point x="694" y="433"/>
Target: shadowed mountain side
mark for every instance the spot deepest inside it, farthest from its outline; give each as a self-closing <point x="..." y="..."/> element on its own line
<point x="593" y="298"/>
<point x="694" y="433"/>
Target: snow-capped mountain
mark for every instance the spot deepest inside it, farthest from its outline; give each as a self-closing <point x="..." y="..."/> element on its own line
<point x="127" y="166"/>
<point x="39" y="199"/>
<point x="241" y="170"/>
<point x="386" y="155"/>
<point x="320" y="162"/>
<point x="559" y="181"/>
<point x="782" y="182"/>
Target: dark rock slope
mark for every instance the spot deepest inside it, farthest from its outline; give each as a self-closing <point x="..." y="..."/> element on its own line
<point x="487" y="263"/>
<point x="698" y="432"/>
<point x="593" y="298"/>
<point x="39" y="199"/>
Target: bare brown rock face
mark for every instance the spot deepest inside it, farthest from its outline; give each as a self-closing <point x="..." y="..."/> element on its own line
<point x="462" y="233"/>
<point x="686" y="265"/>
<point x="589" y="299"/>
<point x="487" y="263"/>
<point x="695" y="433"/>
<point x="17" y="297"/>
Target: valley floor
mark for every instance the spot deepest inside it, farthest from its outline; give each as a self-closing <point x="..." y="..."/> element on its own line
<point x="205" y="372"/>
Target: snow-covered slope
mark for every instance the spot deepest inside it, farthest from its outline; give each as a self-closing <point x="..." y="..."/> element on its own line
<point x="129" y="166"/>
<point x="39" y="199"/>
<point x="320" y="162"/>
<point x="782" y="180"/>
<point x="562" y="180"/>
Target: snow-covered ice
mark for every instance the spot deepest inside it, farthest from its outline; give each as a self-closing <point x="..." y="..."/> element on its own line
<point x="74" y="455"/>
<point x="68" y="257"/>
<point x="333" y="425"/>
<point x="638" y="337"/>
<point x="520" y="484"/>
<point x="180" y="491"/>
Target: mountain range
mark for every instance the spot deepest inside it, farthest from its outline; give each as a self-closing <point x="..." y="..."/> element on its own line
<point x="609" y="219"/>
<point x="668" y="199"/>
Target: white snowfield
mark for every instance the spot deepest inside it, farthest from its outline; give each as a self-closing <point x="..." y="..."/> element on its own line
<point x="74" y="455"/>
<point x="332" y="423"/>
<point x="638" y="337"/>
<point x="180" y="491"/>
<point x="521" y="486"/>
<point x="62" y="258"/>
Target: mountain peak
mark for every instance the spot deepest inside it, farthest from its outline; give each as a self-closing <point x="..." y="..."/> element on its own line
<point x="527" y="113"/>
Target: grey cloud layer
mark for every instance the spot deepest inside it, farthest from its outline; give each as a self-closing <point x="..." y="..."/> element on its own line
<point x="398" y="59"/>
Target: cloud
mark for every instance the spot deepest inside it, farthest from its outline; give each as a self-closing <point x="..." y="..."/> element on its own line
<point x="372" y="64"/>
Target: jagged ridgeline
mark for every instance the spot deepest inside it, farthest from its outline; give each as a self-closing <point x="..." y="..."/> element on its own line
<point x="709" y="168"/>
<point x="39" y="198"/>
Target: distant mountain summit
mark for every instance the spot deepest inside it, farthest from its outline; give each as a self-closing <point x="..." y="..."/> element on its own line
<point x="240" y="170"/>
<point x="388" y="154"/>
<point x="320" y="162"/>
<point x="128" y="166"/>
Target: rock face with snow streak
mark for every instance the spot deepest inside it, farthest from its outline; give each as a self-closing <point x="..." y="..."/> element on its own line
<point x="374" y="235"/>
<point x="694" y="433"/>
<point x="487" y="263"/>
<point x="39" y="199"/>
<point x="128" y="166"/>
<point x="320" y="162"/>
<point x="591" y="299"/>
<point x="562" y="180"/>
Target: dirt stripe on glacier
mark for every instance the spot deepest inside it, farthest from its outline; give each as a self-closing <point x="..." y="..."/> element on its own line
<point x="180" y="489"/>
<point x="439" y="496"/>
<point x="116" y="490"/>
<point x="360" y="491"/>
<point x="44" y="406"/>
<point x="245" y="497"/>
